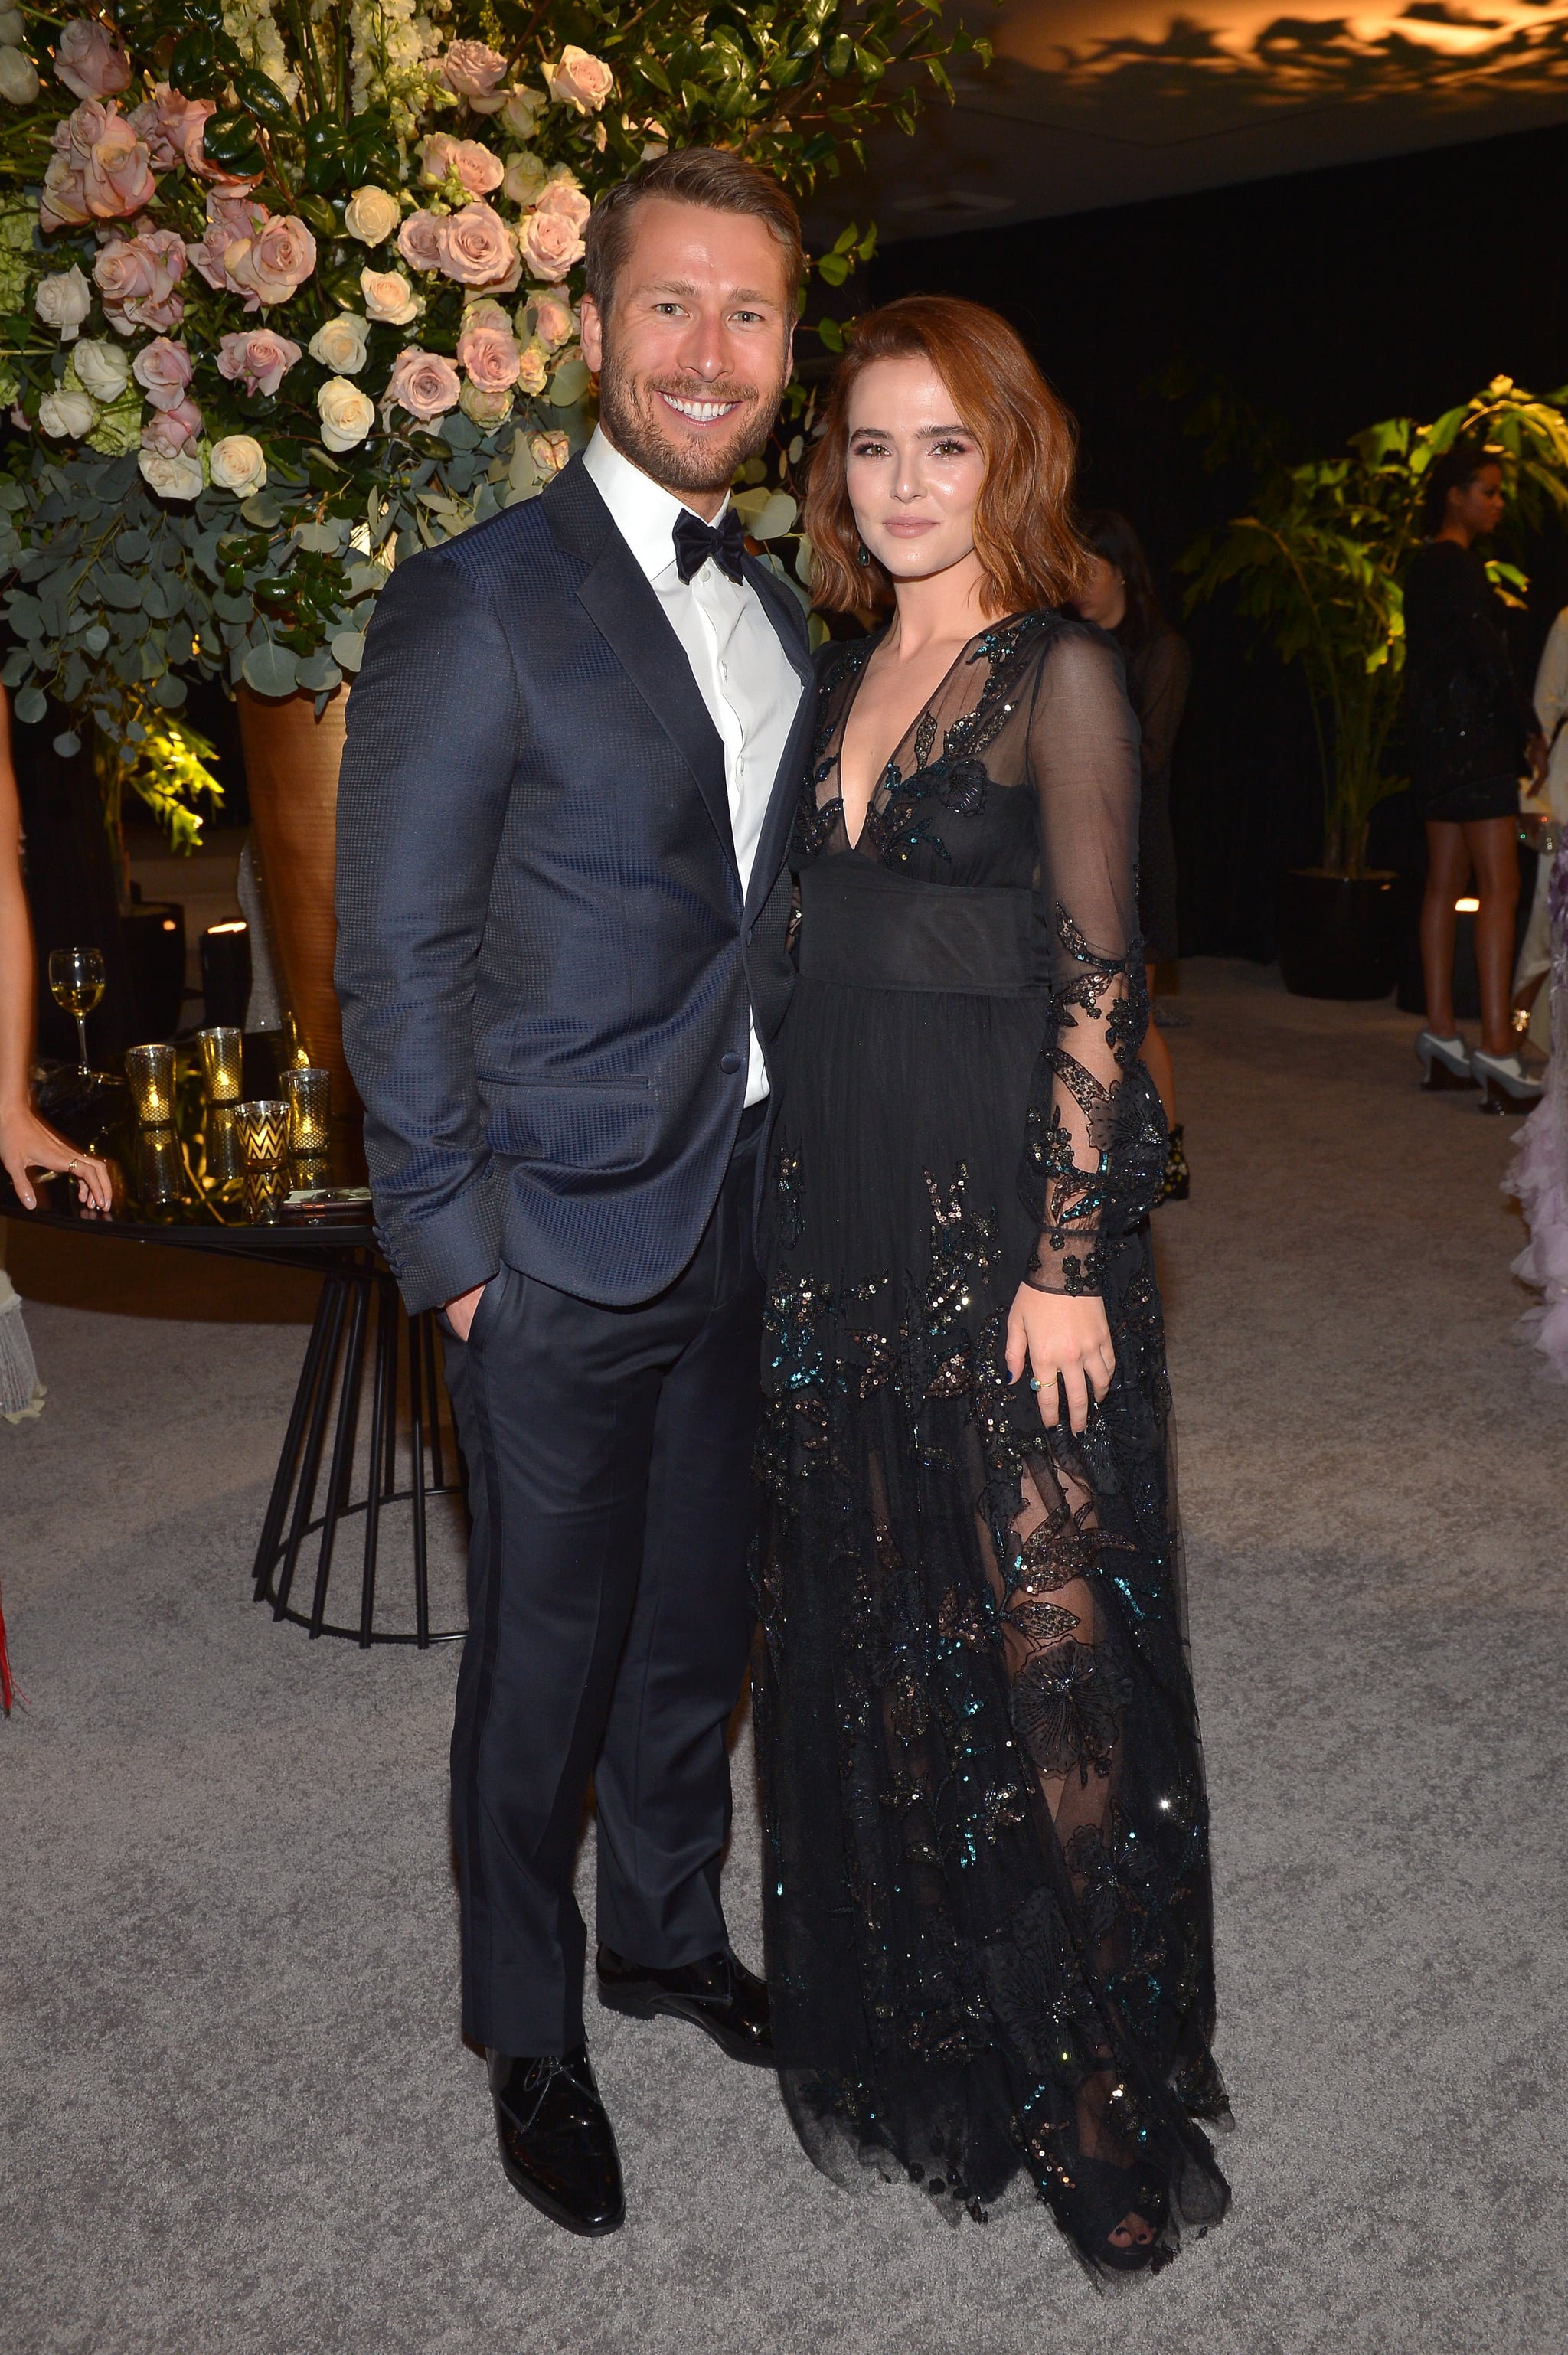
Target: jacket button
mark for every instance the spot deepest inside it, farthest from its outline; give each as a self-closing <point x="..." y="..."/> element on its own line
<point x="730" y="1062"/>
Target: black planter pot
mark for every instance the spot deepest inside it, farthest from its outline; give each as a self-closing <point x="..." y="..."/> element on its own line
<point x="153" y="933"/>
<point x="1336" y="934"/>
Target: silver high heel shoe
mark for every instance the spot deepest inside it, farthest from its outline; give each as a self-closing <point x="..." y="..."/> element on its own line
<point x="1446" y="1062"/>
<point x="1509" y="1086"/>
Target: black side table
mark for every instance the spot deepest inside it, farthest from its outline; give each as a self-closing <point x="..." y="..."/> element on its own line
<point x="326" y="1398"/>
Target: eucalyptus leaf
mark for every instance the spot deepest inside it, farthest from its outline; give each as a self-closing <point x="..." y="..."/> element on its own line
<point x="263" y="511"/>
<point x="349" y="649"/>
<point x="271" y="669"/>
<point x="95" y="640"/>
<point x="319" y="673"/>
<point x="31" y="706"/>
<point x="169" y="693"/>
<point x="15" y="666"/>
<point x="68" y="743"/>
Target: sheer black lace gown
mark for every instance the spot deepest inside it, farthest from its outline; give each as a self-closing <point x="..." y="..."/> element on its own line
<point x="988" y="1882"/>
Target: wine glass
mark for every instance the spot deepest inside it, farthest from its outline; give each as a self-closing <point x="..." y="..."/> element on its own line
<point x="76" y="982"/>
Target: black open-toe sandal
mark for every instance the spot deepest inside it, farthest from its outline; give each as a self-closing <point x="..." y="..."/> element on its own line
<point x="1108" y="2195"/>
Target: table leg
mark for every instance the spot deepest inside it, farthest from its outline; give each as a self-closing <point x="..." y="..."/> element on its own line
<point x="417" y="1333"/>
<point x="343" y="1441"/>
<point x="383" y="1413"/>
<point x="310" y="1470"/>
<point x="438" y="1478"/>
<point x="288" y="1462"/>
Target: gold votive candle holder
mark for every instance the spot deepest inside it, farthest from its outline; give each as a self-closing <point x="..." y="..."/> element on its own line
<point x="309" y="1092"/>
<point x="160" y="1167"/>
<point x="264" y="1128"/>
<point x="310" y="1169"/>
<point x="221" y="1064"/>
<point x="150" y="1072"/>
<point x="225" y="1154"/>
<point x="263" y="1195"/>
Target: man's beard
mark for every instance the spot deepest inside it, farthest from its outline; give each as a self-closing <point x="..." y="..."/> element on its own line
<point x="629" y="414"/>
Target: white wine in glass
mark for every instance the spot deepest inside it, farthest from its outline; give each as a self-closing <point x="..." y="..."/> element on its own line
<point x="76" y="982"/>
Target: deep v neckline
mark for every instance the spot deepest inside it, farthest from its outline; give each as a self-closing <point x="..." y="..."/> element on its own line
<point x="880" y="782"/>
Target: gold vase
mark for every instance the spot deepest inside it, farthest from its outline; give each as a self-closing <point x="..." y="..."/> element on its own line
<point x="291" y="775"/>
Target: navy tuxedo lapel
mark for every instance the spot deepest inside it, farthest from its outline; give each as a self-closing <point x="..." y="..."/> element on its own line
<point x="782" y="609"/>
<point x="617" y="595"/>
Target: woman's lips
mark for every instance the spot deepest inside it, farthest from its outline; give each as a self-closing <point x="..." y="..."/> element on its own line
<point x="909" y="526"/>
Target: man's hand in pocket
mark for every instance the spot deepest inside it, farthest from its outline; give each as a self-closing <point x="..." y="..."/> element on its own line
<point x="459" y="1313"/>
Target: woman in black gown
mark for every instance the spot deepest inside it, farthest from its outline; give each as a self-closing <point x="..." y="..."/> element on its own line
<point x="987" y="1885"/>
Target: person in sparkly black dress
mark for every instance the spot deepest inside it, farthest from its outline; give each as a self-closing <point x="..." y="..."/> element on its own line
<point x="986" y="1880"/>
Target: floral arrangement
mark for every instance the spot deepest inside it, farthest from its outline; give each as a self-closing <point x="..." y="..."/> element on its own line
<point x="288" y="289"/>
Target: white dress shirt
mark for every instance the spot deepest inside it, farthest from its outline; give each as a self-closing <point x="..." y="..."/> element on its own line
<point x="750" y="685"/>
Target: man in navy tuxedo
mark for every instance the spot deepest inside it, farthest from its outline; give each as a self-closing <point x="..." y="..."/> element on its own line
<point x="574" y="755"/>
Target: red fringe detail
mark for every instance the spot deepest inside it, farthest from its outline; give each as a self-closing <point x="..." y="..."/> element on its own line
<point x="6" y="1686"/>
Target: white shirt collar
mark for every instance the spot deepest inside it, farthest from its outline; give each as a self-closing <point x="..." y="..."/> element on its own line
<point x="644" y="513"/>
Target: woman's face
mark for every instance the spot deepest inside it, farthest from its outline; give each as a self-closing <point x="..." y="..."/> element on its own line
<point x="913" y="469"/>
<point x="1476" y="507"/>
<point x="1103" y="596"/>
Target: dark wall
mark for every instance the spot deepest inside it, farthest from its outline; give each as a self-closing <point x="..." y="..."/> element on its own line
<point x="1330" y="299"/>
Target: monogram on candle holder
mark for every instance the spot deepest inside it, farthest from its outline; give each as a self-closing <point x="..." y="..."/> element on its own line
<point x="150" y="1073"/>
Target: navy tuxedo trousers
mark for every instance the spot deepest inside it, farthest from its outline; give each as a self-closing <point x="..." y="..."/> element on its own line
<point x="609" y="1454"/>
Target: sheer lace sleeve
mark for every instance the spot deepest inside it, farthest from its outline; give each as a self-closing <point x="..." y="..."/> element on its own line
<point x="1095" y="1145"/>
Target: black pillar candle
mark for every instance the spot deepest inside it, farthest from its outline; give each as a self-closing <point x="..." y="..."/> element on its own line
<point x="226" y="975"/>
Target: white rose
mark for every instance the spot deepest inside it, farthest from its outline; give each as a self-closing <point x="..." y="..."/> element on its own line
<point x="371" y="214"/>
<point x="341" y="344"/>
<point x="522" y="111"/>
<point x="390" y="300"/>
<point x="103" y="369"/>
<point x="239" y="464"/>
<point x="12" y="26"/>
<point x="18" y="77"/>
<point x="346" y="413"/>
<point x="525" y="176"/>
<point x="63" y="302"/>
<point x="172" y="478"/>
<point x="67" y="415"/>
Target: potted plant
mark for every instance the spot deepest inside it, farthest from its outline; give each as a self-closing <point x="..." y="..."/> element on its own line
<point x="288" y="293"/>
<point x="1321" y="563"/>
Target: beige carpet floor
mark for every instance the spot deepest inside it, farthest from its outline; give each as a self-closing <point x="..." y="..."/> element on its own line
<point x="235" y="2114"/>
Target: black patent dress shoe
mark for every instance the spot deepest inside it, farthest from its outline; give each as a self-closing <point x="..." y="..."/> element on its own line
<point x="719" y="1995"/>
<point x="557" y="2145"/>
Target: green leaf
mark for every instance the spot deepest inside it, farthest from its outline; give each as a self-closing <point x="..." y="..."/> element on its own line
<point x="271" y="669"/>
<point x="349" y="649"/>
<point x="169" y="693"/>
<point x="95" y="639"/>
<point x="68" y="743"/>
<point x="317" y="213"/>
<point x="264" y="97"/>
<point x="834" y="269"/>
<point x="31" y="706"/>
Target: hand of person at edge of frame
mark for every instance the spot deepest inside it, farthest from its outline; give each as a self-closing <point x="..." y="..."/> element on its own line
<point x="459" y="1313"/>
<point x="27" y="1143"/>
<point x="1064" y="1340"/>
<point x="1537" y="753"/>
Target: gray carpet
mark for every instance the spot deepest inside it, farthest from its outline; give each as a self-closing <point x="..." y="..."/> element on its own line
<point x="235" y="2114"/>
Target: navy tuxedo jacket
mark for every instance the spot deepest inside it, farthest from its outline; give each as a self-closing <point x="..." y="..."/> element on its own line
<point x="545" y="959"/>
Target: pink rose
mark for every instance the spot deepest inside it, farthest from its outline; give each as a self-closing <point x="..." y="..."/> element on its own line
<point x="419" y="241"/>
<point x="272" y="266"/>
<point x="163" y="371"/>
<point x="138" y="279"/>
<point x="258" y="359"/>
<point x="100" y="169"/>
<point x="565" y="198"/>
<point x="471" y="70"/>
<point x="553" y="322"/>
<point x="580" y="81"/>
<point x="478" y="170"/>
<point x="172" y="126"/>
<point x="169" y="429"/>
<point x="422" y="383"/>
<point x="477" y="249"/>
<point x="551" y="246"/>
<point x="489" y="354"/>
<point x="229" y="220"/>
<point x="89" y="60"/>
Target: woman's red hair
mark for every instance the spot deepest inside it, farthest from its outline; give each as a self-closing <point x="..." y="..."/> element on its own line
<point x="1028" y="551"/>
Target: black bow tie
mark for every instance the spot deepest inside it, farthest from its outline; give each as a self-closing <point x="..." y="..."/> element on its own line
<point x="696" y="541"/>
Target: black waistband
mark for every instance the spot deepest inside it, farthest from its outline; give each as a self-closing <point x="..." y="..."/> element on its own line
<point x="867" y="928"/>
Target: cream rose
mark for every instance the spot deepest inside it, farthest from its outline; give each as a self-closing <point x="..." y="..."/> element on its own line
<point x="524" y="177"/>
<point x="65" y="415"/>
<point x="62" y="301"/>
<point x="423" y="383"/>
<point x="549" y="452"/>
<point x="371" y="214"/>
<point x="533" y="368"/>
<point x="103" y="369"/>
<point x="346" y="413"/>
<point x="551" y="246"/>
<point x="272" y="266"/>
<point x="522" y="111"/>
<point x="89" y="60"/>
<point x="472" y="70"/>
<point x="477" y="248"/>
<point x="580" y="81"/>
<point x="13" y="24"/>
<point x="561" y="194"/>
<point x="390" y="300"/>
<point x="172" y="477"/>
<point x="257" y="359"/>
<point x="489" y="353"/>
<point x="19" y="76"/>
<point x="237" y="463"/>
<point x="419" y="241"/>
<point x="341" y="344"/>
<point x="485" y="409"/>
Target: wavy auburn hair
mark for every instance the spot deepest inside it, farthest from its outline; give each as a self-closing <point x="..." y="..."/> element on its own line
<point x="1024" y="535"/>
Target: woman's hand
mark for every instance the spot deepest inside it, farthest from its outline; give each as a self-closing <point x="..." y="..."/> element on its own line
<point x="27" y="1143"/>
<point x="1062" y="1337"/>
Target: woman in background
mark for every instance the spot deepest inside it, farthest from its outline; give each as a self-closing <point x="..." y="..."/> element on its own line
<point x="1471" y="732"/>
<point x="1119" y="595"/>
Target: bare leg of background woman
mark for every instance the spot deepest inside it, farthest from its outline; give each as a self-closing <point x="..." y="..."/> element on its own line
<point x="1447" y="872"/>
<point x="1157" y="1062"/>
<point x="1491" y="843"/>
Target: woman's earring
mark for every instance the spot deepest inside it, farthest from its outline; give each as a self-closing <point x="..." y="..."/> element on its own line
<point x="865" y="556"/>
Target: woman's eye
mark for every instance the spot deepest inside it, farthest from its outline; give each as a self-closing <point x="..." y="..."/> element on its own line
<point x="869" y="449"/>
<point x="949" y="450"/>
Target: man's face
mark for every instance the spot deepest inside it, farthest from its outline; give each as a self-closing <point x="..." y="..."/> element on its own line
<point x="694" y="354"/>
